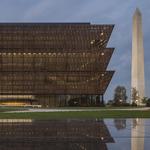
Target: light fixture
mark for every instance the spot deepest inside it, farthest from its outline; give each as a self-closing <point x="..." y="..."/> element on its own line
<point x="102" y="54"/>
<point x="102" y="34"/>
<point x="92" y="42"/>
<point x="102" y="74"/>
<point x="102" y="138"/>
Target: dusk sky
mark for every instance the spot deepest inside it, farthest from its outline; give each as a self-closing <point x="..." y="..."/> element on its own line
<point x="118" y="12"/>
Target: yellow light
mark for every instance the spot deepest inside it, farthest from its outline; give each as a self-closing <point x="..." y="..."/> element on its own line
<point x="13" y="103"/>
<point x="15" y="120"/>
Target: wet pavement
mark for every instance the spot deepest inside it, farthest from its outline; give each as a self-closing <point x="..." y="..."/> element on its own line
<point x="95" y="134"/>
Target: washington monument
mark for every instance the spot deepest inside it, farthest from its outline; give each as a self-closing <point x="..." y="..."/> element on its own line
<point x="137" y="73"/>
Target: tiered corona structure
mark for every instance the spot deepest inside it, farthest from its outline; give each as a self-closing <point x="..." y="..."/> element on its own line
<point x="51" y="63"/>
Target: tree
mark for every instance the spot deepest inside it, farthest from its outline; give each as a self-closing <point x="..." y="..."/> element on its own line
<point x="134" y="96"/>
<point x="110" y="102"/>
<point x="120" y="95"/>
<point x="120" y="123"/>
<point x="146" y="101"/>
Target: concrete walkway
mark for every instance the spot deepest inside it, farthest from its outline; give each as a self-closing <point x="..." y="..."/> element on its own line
<point x="75" y="109"/>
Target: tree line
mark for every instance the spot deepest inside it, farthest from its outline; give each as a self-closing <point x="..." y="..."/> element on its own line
<point x="120" y="97"/>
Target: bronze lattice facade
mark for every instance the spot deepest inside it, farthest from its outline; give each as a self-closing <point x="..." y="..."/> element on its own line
<point x="51" y="63"/>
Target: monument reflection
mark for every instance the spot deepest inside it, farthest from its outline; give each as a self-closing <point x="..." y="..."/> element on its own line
<point x="132" y="129"/>
<point x="54" y="135"/>
<point x="137" y="134"/>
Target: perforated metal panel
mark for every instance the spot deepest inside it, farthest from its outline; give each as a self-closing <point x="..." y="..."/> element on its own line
<point x="54" y="59"/>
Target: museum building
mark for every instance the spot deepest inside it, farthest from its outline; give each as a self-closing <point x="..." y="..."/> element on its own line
<point x="54" y="64"/>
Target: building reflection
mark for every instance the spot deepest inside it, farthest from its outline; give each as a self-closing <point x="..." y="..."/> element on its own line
<point x="137" y="134"/>
<point x="54" y="134"/>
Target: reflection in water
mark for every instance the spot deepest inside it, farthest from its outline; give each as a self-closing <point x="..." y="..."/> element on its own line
<point x="54" y="135"/>
<point x="137" y="134"/>
<point x="120" y="123"/>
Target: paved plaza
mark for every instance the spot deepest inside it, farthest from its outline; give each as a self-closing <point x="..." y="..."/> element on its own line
<point x="74" y="109"/>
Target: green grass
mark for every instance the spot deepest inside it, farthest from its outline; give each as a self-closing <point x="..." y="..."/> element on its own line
<point x="6" y="108"/>
<point x="77" y="115"/>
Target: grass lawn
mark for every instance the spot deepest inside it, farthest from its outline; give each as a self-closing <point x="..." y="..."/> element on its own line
<point x="6" y="108"/>
<point x="14" y="108"/>
<point x="78" y="115"/>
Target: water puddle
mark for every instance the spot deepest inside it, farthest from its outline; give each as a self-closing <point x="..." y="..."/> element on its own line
<point x="111" y="134"/>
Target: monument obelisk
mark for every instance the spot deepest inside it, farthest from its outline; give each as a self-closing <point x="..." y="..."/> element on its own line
<point x="137" y="73"/>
